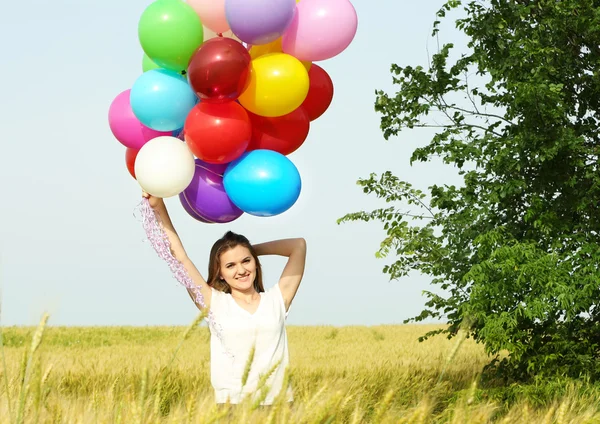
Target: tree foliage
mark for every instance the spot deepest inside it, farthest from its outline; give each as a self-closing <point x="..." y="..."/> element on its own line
<point x="515" y="248"/>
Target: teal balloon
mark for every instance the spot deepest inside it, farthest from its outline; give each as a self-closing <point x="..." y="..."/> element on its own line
<point x="162" y="99"/>
<point x="262" y="183"/>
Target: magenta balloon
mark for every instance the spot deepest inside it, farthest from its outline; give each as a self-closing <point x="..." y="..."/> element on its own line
<point x="207" y="198"/>
<point x="126" y="127"/>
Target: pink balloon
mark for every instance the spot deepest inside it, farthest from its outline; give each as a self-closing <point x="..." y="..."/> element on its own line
<point x="126" y="127"/>
<point x="320" y="30"/>
<point x="211" y="13"/>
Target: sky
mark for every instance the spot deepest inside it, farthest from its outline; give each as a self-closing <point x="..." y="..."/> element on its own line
<point x="70" y="244"/>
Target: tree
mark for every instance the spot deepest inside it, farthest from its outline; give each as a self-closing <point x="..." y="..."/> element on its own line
<point x="516" y="247"/>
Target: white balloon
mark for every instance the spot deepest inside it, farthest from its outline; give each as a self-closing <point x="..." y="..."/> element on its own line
<point x="164" y="166"/>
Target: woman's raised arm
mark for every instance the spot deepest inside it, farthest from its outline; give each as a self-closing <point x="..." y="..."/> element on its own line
<point x="295" y="250"/>
<point x="177" y="249"/>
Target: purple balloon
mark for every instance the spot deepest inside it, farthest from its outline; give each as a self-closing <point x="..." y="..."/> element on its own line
<point x="205" y="198"/>
<point x="259" y="21"/>
<point x="191" y="212"/>
<point x="217" y="168"/>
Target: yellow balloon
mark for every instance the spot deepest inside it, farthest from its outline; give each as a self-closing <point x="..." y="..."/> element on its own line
<point x="278" y="85"/>
<point x="263" y="49"/>
<point x="272" y="47"/>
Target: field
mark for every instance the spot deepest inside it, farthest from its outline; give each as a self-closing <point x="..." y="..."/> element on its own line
<point x="340" y="375"/>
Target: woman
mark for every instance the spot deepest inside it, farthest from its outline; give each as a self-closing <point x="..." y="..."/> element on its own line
<point x="249" y="348"/>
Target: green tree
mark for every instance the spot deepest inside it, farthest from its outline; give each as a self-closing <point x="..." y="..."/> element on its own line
<point x="516" y="247"/>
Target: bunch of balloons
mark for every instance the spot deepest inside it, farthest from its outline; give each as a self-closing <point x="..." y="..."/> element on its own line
<point x="228" y="91"/>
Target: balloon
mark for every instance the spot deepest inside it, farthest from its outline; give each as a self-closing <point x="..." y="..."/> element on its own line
<point x="206" y="196"/>
<point x="320" y="93"/>
<point x="162" y="99"/>
<point x="215" y="168"/>
<point x="321" y="29"/>
<point x="191" y="212"/>
<point x="262" y="183"/>
<point x="217" y="133"/>
<point x="284" y="134"/>
<point x="164" y="167"/>
<point x="125" y="126"/>
<point x="272" y="47"/>
<point x="211" y="13"/>
<point x="259" y="21"/>
<point x="263" y="49"/>
<point x="219" y="70"/>
<point x="130" y="155"/>
<point x="148" y="64"/>
<point x="178" y="134"/>
<point x="278" y="85"/>
<point x="170" y="32"/>
<point x="210" y="34"/>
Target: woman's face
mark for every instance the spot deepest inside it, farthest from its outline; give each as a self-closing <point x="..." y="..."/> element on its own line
<point x="238" y="268"/>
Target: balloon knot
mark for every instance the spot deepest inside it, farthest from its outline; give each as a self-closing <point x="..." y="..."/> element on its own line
<point x="220" y="34"/>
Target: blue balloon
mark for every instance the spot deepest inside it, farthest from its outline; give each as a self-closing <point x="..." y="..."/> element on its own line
<point x="262" y="183"/>
<point x="162" y="99"/>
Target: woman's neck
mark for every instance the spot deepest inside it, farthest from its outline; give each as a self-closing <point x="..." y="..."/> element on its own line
<point x="247" y="295"/>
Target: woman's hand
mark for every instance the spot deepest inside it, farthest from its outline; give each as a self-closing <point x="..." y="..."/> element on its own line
<point x="154" y="201"/>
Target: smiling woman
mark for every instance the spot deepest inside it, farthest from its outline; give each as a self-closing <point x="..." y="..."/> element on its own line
<point x="234" y="267"/>
<point x="249" y="347"/>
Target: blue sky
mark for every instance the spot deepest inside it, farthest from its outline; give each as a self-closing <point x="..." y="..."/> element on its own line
<point x="70" y="244"/>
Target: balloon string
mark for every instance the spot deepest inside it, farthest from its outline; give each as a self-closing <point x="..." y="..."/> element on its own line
<point x="159" y="240"/>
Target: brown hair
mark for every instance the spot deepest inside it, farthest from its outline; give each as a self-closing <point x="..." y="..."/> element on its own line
<point x="229" y="241"/>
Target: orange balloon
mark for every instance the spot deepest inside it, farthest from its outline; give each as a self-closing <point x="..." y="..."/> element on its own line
<point x="209" y="33"/>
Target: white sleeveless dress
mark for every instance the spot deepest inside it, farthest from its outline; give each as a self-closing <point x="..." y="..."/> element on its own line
<point x="240" y="331"/>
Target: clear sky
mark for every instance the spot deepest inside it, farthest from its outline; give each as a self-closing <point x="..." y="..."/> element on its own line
<point x="70" y="244"/>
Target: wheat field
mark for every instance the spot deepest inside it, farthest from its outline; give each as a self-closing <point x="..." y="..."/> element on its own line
<point x="339" y="375"/>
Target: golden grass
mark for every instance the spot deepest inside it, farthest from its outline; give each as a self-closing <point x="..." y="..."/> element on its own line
<point x="339" y="375"/>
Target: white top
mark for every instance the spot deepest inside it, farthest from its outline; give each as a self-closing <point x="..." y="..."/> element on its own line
<point x="240" y="331"/>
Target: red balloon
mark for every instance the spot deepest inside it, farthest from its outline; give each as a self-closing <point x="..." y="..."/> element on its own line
<point x="320" y="92"/>
<point x="130" y="155"/>
<point x="283" y="134"/>
<point x="219" y="70"/>
<point x="217" y="133"/>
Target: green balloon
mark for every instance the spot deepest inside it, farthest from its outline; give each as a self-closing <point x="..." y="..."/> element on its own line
<point x="148" y="64"/>
<point x="170" y="32"/>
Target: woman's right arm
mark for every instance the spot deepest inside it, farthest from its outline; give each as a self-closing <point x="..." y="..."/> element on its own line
<point x="177" y="249"/>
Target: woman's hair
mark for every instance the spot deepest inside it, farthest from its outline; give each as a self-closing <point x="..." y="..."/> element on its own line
<point x="225" y="243"/>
